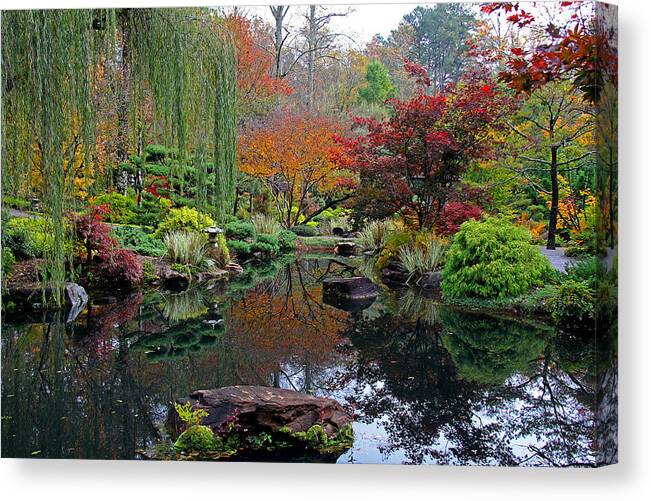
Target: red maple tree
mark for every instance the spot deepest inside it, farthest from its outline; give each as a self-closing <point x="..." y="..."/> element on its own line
<point x="420" y="151"/>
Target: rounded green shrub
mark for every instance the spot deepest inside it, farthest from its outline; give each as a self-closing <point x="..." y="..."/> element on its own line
<point x="240" y="247"/>
<point x="287" y="241"/>
<point x="197" y="438"/>
<point x="573" y="305"/>
<point x="28" y="237"/>
<point x="138" y="240"/>
<point x="184" y="218"/>
<point x="303" y="230"/>
<point x="492" y="259"/>
<point x="239" y="230"/>
<point x="121" y="208"/>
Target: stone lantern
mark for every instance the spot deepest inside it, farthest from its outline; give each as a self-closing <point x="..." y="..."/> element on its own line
<point x="213" y="235"/>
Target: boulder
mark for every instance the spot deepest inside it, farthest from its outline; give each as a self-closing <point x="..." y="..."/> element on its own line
<point x="76" y="297"/>
<point x="431" y="280"/>
<point x="393" y="274"/>
<point x="32" y="295"/>
<point x="256" y="409"/>
<point x="355" y="288"/>
<point x="234" y="268"/>
<point x="346" y="248"/>
<point x="175" y="280"/>
<point x="337" y="232"/>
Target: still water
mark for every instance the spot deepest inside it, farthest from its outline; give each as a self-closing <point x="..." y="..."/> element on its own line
<point x="427" y="383"/>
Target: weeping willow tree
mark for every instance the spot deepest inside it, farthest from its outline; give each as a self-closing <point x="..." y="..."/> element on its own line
<point x="51" y="61"/>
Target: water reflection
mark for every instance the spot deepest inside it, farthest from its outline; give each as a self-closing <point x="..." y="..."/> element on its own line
<point x="427" y="383"/>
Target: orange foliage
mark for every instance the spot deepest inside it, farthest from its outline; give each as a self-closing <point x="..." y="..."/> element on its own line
<point x="295" y="155"/>
<point x="277" y="328"/>
<point x="254" y="80"/>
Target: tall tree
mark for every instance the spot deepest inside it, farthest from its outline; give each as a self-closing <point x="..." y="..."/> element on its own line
<point x="554" y="129"/>
<point x="297" y="156"/>
<point x="378" y="86"/>
<point x="439" y="40"/>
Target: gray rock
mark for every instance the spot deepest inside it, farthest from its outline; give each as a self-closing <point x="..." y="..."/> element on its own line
<point x="431" y="280"/>
<point x="355" y="288"/>
<point x="256" y="409"/>
<point x="346" y="248"/>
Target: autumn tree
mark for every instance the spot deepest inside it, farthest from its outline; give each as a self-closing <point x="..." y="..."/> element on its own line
<point x="418" y="154"/>
<point x="554" y="133"/>
<point x="298" y="158"/>
<point x="257" y="87"/>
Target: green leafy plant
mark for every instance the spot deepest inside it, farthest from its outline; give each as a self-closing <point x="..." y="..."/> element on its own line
<point x="239" y="230"/>
<point x="28" y="237"/>
<point x="303" y="230"/>
<point x="139" y="241"/>
<point x="492" y="259"/>
<point x="188" y="414"/>
<point x="184" y="218"/>
<point x="573" y="305"/>
<point x="267" y="245"/>
<point x="121" y="208"/>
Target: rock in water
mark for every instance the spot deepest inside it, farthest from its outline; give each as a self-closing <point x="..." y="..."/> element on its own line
<point x="346" y="248"/>
<point x="257" y="409"/>
<point x="76" y="297"/>
<point x="355" y="288"/>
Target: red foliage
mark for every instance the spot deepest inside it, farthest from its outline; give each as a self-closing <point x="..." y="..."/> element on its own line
<point x="576" y="50"/>
<point x="115" y="264"/>
<point x="419" y="153"/>
<point x="454" y="214"/>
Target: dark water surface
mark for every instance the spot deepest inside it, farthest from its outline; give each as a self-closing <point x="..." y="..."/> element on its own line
<point x="427" y="383"/>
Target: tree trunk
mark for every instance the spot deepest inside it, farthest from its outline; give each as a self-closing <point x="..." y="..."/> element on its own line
<point x="278" y="12"/>
<point x="311" y="45"/>
<point x="553" y="210"/>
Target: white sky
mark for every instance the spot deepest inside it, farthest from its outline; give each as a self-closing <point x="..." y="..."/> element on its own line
<point x="365" y="21"/>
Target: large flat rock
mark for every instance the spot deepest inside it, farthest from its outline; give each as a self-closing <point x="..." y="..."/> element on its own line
<point x="255" y="409"/>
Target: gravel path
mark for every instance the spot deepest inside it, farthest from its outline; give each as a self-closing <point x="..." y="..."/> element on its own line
<point x="557" y="257"/>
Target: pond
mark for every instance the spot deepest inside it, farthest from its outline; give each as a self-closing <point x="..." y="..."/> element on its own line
<point x="427" y="383"/>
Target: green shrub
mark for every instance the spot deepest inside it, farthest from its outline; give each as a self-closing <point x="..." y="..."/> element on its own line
<point x="584" y="270"/>
<point x="152" y="211"/>
<point x="197" y="438"/>
<point x="239" y="230"/>
<point x="187" y="248"/>
<point x="267" y="245"/>
<point x="28" y="237"/>
<point x="303" y="230"/>
<point x="492" y="259"/>
<point x="265" y="224"/>
<point x="220" y="254"/>
<point x="8" y="261"/>
<point x="582" y="244"/>
<point x="122" y="209"/>
<point x="155" y="153"/>
<point x="184" y="218"/>
<point x="287" y="241"/>
<point x="137" y="240"/>
<point x="16" y="203"/>
<point x="240" y="247"/>
<point x="573" y="305"/>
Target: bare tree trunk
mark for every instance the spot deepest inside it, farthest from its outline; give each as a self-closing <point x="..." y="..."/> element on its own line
<point x="279" y="12"/>
<point x="553" y="210"/>
<point x="311" y="46"/>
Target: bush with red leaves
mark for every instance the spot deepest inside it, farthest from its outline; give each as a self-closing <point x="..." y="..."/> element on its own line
<point x="114" y="264"/>
<point x="454" y="214"/>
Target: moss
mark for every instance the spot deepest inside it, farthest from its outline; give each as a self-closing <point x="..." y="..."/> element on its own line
<point x="197" y="438"/>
